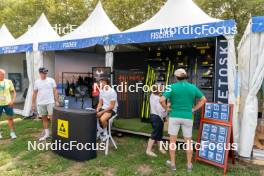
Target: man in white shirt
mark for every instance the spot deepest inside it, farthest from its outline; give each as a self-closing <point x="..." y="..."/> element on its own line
<point x="45" y="96"/>
<point x="107" y="106"/>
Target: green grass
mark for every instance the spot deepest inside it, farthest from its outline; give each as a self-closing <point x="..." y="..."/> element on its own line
<point x="4" y="117"/>
<point x="128" y="160"/>
<point x="135" y="124"/>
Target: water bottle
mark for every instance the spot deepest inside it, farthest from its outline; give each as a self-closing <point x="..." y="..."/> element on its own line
<point x="66" y="104"/>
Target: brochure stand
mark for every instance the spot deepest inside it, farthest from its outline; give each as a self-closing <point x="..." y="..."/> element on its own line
<point x="215" y="135"/>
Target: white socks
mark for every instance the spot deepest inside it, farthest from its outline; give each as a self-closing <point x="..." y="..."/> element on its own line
<point x="46" y="131"/>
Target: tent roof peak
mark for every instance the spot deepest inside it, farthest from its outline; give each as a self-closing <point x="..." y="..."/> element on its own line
<point x="175" y="13"/>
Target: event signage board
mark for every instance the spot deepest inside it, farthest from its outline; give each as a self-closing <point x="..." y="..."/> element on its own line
<point x="221" y="72"/>
<point x="215" y="134"/>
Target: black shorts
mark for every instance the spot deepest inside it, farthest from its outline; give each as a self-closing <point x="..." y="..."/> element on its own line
<point x="157" y="125"/>
<point x="111" y="111"/>
<point x="8" y="110"/>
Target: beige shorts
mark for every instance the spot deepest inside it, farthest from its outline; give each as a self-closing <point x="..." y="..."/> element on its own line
<point x="46" y="110"/>
<point x="176" y="123"/>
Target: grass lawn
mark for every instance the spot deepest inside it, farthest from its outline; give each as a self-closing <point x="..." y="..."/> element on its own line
<point x="135" y="124"/>
<point x="129" y="159"/>
<point x="4" y="117"/>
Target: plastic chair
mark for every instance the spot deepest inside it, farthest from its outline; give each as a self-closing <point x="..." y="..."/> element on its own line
<point x="109" y="135"/>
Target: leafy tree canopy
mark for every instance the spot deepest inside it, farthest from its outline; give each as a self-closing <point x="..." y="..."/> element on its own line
<point x="19" y="14"/>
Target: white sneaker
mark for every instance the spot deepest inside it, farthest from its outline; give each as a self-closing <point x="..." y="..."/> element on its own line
<point x="44" y="137"/>
<point x="1" y="137"/>
<point x="13" y="135"/>
<point x="104" y="136"/>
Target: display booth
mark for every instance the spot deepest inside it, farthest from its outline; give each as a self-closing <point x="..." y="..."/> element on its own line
<point x="180" y="35"/>
<point x="22" y="68"/>
<point x="251" y="70"/>
<point x="77" y="53"/>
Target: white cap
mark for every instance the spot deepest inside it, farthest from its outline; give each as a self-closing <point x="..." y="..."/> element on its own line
<point x="180" y="73"/>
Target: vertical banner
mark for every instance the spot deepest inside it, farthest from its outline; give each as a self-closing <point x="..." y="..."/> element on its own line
<point x="221" y="80"/>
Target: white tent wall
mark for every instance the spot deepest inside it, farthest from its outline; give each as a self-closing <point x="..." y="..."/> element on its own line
<point x="76" y="62"/>
<point x="34" y="61"/>
<point x="251" y="68"/>
<point x="232" y="73"/>
<point x="245" y="73"/>
<point x="13" y="63"/>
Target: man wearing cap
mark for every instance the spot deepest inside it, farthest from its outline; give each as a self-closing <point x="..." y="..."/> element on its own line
<point x="45" y="96"/>
<point x="182" y="96"/>
<point x="7" y="98"/>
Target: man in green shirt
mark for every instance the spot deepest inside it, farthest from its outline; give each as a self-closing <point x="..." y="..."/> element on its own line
<point x="182" y="96"/>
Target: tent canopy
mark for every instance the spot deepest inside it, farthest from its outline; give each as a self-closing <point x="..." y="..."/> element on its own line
<point x="41" y="31"/>
<point x="91" y="32"/>
<point x="176" y="20"/>
<point x="5" y="36"/>
<point x="175" y="13"/>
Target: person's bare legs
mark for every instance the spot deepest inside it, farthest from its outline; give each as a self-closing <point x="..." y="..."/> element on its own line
<point x="45" y="122"/>
<point x="173" y="140"/>
<point x="161" y="149"/>
<point x="104" y="119"/>
<point x="189" y="151"/>
<point x="11" y="123"/>
<point x="149" y="148"/>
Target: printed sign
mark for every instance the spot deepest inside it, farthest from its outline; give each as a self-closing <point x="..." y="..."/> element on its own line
<point x="221" y="81"/>
<point x="217" y="111"/>
<point x="215" y="134"/>
<point x="63" y="128"/>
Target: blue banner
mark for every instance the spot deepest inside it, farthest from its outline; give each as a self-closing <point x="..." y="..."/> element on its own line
<point x="72" y="44"/>
<point x="221" y="80"/>
<point x="258" y="24"/>
<point x="16" y="49"/>
<point x="225" y="27"/>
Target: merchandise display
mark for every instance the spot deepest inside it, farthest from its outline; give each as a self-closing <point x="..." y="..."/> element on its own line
<point x="162" y="64"/>
<point x="78" y="86"/>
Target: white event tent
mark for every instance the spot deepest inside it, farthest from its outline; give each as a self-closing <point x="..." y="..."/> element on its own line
<point x="93" y="31"/>
<point x="27" y="43"/>
<point x="251" y="69"/>
<point x="170" y="24"/>
<point x="5" y="36"/>
<point x="9" y="62"/>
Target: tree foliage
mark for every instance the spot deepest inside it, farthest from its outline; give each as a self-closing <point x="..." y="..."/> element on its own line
<point x="18" y="14"/>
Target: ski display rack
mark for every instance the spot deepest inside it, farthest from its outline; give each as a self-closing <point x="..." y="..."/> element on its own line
<point x="198" y="62"/>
